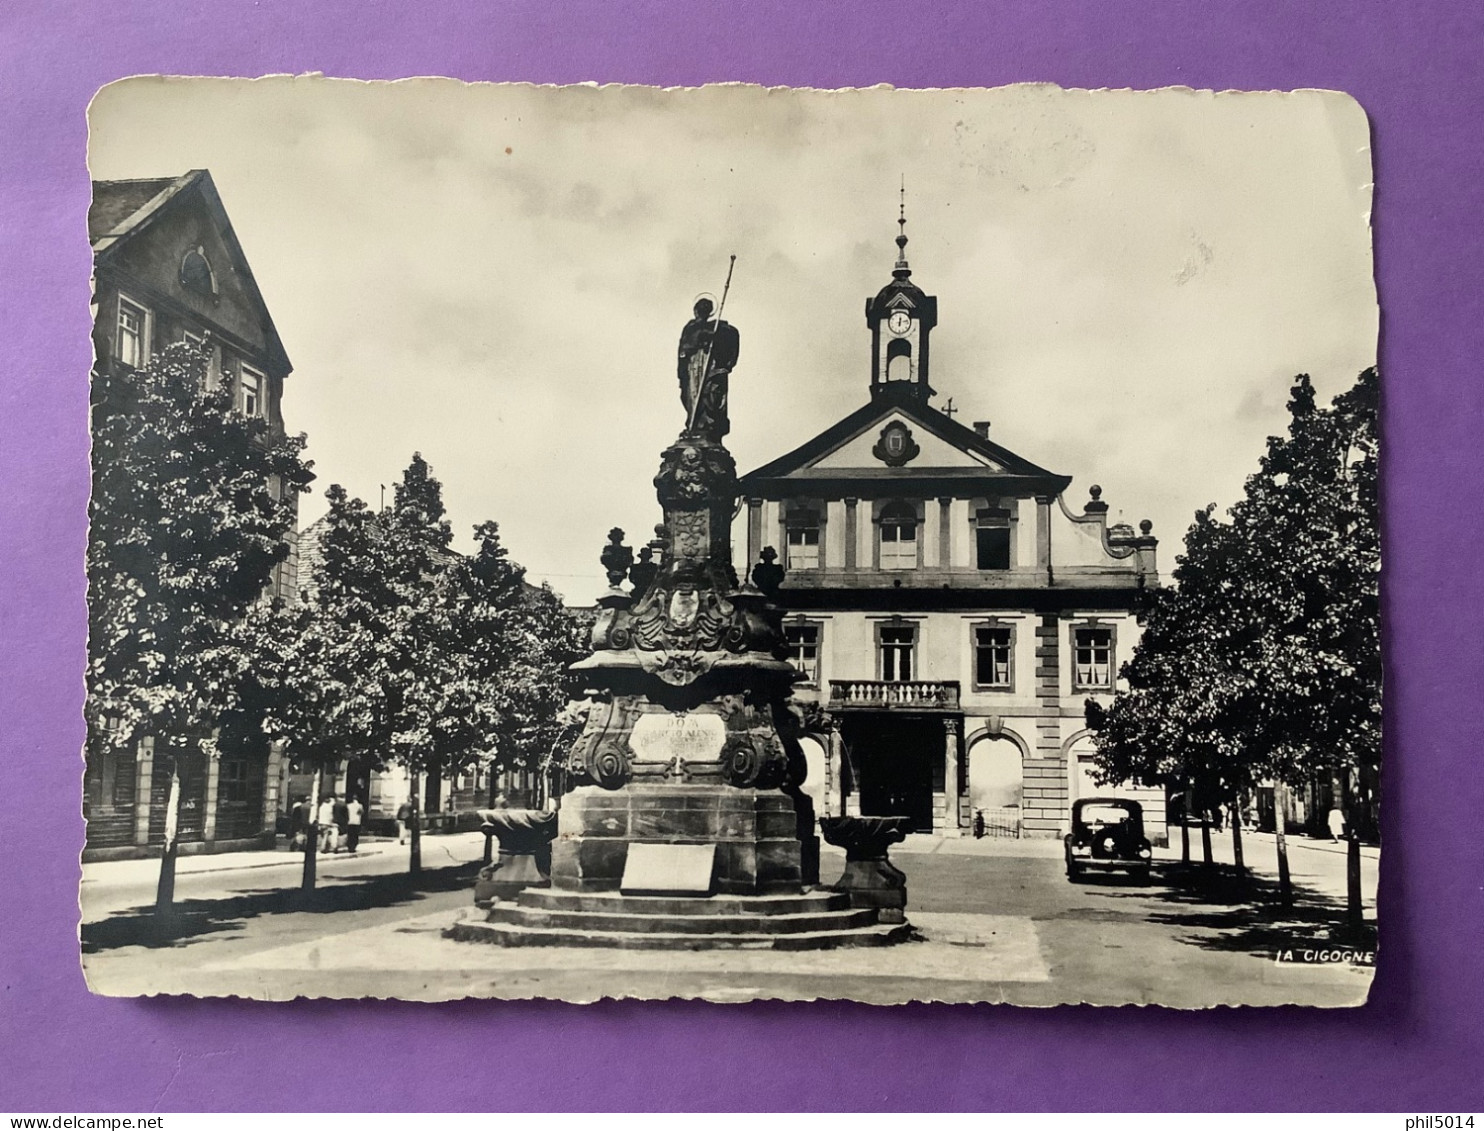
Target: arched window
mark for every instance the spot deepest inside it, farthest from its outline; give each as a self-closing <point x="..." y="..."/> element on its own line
<point x="898" y="536"/>
<point x="899" y="360"/>
<point x="196" y="274"/>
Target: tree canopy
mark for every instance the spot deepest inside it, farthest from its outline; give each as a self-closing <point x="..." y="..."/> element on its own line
<point x="1263" y="661"/>
<point x="192" y="507"/>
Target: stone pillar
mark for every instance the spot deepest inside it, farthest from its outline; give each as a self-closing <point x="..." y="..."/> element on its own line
<point x="145" y="769"/>
<point x="950" y="778"/>
<point x="852" y="534"/>
<point x="945" y="533"/>
<point x="271" y="787"/>
<point x="754" y="533"/>
<point x="1043" y="534"/>
<point x="213" y="782"/>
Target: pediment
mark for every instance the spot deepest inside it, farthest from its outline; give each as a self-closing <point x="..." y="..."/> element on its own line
<point x="868" y="450"/>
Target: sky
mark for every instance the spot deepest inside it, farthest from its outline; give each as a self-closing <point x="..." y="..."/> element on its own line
<point x="496" y="275"/>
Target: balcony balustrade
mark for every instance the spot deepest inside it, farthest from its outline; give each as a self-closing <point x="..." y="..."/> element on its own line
<point x="878" y="694"/>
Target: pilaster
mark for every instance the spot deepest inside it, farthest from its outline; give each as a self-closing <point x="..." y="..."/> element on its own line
<point x="144" y="768"/>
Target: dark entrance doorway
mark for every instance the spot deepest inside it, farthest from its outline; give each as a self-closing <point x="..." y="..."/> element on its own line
<point x="899" y="760"/>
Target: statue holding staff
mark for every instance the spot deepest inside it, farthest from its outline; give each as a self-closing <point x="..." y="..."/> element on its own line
<point x="707" y="355"/>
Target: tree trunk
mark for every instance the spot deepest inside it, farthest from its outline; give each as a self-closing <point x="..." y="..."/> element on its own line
<point x="415" y="858"/>
<point x="1280" y="837"/>
<point x="311" y="833"/>
<point x="1237" y="839"/>
<point x="1206" y="838"/>
<point x="1354" y="909"/>
<point x="165" y="889"/>
<point x="1187" y="806"/>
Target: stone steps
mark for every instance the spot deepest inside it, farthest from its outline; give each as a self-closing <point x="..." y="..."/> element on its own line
<point x="510" y="934"/>
<point x="814" y="903"/>
<point x="637" y="922"/>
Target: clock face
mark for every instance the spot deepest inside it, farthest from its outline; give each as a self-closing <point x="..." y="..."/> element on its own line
<point x="899" y="322"/>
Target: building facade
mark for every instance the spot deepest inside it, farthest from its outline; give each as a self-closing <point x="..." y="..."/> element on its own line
<point x="167" y="268"/>
<point x="949" y="611"/>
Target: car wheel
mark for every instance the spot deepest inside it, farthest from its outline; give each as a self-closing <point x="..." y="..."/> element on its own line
<point x="1074" y="873"/>
<point x="1141" y="875"/>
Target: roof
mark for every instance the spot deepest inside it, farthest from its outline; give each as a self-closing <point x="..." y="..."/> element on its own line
<point x="115" y="201"/>
<point x="122" y="210"/>
<point x="994" y="461"/>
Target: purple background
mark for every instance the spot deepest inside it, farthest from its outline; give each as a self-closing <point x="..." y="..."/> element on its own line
<point x="1416" y="68"/>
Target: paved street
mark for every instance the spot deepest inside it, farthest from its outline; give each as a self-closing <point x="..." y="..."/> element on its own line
<point x="998" y="920"/>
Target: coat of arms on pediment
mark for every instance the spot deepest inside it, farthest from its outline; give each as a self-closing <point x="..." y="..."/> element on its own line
<point x="896" y="446"/>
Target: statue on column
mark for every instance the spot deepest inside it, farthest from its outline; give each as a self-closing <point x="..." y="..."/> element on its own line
<point x="707" y="355"/>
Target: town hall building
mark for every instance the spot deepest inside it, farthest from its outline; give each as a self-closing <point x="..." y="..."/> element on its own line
<point x="949" y="611"/>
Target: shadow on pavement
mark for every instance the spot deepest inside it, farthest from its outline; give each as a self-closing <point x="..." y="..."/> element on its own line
<point x="193" y="920"/>
<point x="1242" y="913"/>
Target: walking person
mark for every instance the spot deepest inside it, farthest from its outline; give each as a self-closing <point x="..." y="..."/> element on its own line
<point x="404" y="818"/>
<point x="328" y="833"/>
<point x="1336" y="824"/>
<point x="354" y="811"/>
<point x="299" y="825"/>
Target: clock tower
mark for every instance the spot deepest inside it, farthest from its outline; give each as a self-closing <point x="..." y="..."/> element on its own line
<point x="901" y="319"/>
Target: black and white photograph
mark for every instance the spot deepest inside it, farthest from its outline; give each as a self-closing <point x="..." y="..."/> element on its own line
<point x="734" y="543"/>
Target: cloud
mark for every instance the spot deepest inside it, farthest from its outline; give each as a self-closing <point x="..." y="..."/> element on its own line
<point x="496" y="276"/>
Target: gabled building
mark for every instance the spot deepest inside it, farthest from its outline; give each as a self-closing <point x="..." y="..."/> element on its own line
<point x="168" y="267"/>
<point x="950" y="612"/>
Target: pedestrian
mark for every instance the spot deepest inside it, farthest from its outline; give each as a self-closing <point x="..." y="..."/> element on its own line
<point x="1336" y="824"/>
<point x="978" y="824"/>
<point x="299" y="825"/>
<point x="404" y="819"/>
<point x="327" y="830"/>
<point x="354" y="811"/>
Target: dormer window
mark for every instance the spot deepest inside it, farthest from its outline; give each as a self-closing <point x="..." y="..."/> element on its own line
<point x="252" y="385"/>
<point x="899" y="537"/>
<point x="196" y="274"/>
<point x="803" y="539"/>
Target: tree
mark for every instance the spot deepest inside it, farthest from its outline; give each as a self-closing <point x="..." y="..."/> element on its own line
<point x="327" y="657"/>
<point x="1263" y="662"/>
<point x="406" y="653"/>
<point x="515" y="643"/>
<point x="186" y="528"/>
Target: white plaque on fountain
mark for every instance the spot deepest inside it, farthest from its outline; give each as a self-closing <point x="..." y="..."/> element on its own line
<point x="692" y="738"/>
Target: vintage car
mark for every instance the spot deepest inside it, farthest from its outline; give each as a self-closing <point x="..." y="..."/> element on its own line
<point x="1107" y="835"/>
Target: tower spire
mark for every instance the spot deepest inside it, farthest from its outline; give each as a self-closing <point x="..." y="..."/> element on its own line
<point x="901" y="270"/>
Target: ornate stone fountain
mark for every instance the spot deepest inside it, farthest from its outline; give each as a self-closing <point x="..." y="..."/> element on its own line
<point x="684" y="825"/>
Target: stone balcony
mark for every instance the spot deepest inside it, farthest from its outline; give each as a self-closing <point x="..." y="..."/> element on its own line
<point x="883" y="695"/>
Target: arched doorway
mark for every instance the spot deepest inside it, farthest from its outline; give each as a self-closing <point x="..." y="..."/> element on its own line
<point x="818" y="780"/>
<point x="996" y="784"/>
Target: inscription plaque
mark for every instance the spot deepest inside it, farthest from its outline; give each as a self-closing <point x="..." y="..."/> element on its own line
<point x="692" y="738"/>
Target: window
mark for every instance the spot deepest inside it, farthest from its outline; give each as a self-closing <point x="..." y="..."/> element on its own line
<point x="992" y="538"/>
<point x="803" y="540"/>
<point x="896" y="652"/>
<point x="252" y="392"/>
<point x="803" y="649"/>
<point x="993" y="647"/>
<point x="132" y="346"/>
<point x="898" y="537"/>
<point x="231" y="783"/>
<point x="1092" y="658"/>
<point x="196" y="274"/>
